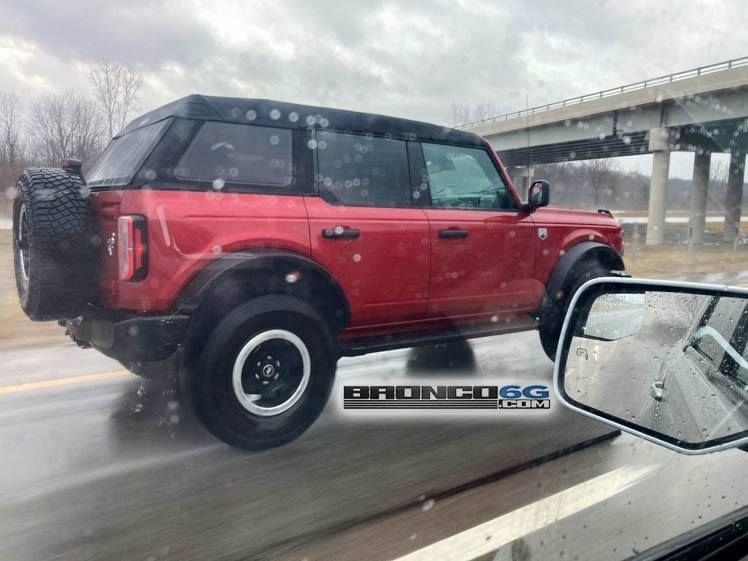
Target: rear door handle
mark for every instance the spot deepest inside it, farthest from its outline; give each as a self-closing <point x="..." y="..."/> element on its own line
<point x="453" y="233"/>
<point x="341" y="232"/>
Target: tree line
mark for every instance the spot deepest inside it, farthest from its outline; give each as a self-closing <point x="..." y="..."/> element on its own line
<point x="46" y="129"/>
<point x="602" y="183"/>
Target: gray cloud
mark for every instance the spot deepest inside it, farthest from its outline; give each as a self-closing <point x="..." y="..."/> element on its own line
<point x="410" y="59"/>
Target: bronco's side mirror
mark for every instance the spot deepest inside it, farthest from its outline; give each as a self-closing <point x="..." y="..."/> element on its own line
<point x="666" y="361"/>
<point x="539" y="194"/>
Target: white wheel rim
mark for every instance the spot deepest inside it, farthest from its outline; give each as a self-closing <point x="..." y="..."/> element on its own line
<point x="20" y="240"/>
<point x="249" y="401"/>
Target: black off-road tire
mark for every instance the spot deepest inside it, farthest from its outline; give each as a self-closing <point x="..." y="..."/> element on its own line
<point x="53" y="244"/>
<point x="208" y="382"/>
<point x="553" y="317"/>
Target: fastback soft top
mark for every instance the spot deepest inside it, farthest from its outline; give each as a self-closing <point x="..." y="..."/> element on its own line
<point x="291" y="115"/>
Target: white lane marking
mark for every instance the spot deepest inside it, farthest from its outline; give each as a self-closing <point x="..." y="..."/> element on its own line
<point x="489" y="536"/>
<point x="670" y="219"/>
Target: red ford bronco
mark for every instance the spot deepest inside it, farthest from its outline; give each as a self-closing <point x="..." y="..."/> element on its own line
<point x="248" y="244"/>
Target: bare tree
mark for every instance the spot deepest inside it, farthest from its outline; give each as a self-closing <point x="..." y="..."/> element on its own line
<point x="484" y="110"/>
<point x="600" y="175"/>
<point x="64" y="125"/>
<point x="10" y="125"/>
<point x="11" y="147"/>
<point x="458" y="114"/>
<point x="719" y="171"/>
<point x="116" y="91"/>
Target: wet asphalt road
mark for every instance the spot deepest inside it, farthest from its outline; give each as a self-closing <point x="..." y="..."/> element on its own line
<point x="109" y="467"/>
<point x="113" y="467"/>
<point x="97" y="464"/>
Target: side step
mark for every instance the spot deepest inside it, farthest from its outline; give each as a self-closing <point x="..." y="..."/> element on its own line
<point x="375" y="344"/>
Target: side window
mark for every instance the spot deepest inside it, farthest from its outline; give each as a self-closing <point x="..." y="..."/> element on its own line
<point x="461" y="177"/>
<point x="360" y="170"/>
<point x="725" y="318"/>
<point x="741" y="372"/>
<point x="236" y="153"/>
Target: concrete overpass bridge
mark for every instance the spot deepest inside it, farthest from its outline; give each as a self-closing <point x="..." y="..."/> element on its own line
<point x="703" y="110"/>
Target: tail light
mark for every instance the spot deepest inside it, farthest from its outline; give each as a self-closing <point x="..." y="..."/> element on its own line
<point x="132" y="247"/>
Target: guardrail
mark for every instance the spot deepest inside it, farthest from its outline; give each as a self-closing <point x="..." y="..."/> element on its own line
<point x="658" y="81"/>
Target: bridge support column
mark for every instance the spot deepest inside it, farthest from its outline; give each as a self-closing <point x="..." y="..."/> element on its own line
<point x="522" y="177"/>
<point x="659" y="144"/>
<point x="734" y="195"/>
<point x="697" y="216"/>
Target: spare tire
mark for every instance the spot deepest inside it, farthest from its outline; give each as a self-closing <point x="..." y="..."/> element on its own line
<point x="53" y="244"/>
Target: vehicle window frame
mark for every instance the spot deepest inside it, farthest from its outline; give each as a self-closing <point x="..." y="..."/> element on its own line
<point x="418" y="175"/>
<point x="725" y="365"/>
<point x="317" y="180"/>
<point x="301" y="165"/>
<point x="196" y="136"/>
<point x="499" y="171"/>
<point x="728" y="366"/>
<point x="166" y="124"/>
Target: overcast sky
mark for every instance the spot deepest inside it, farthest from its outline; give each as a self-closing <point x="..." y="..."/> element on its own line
<point x="410" y="58"/>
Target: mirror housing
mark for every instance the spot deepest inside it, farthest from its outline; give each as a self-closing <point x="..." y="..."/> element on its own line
<point x="665" y="361"/>
<point x="539" y="194"/>
<point x="72" y="165"/>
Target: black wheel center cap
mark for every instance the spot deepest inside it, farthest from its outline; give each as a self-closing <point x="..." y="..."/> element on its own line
<point x="267" y="370"/>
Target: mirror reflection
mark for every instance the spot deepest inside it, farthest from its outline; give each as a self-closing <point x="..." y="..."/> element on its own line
<point x="673" y="363"/>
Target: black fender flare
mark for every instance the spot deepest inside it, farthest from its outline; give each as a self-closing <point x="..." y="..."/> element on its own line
<point x="583" y="251"/>
<point x="278" y="262"/>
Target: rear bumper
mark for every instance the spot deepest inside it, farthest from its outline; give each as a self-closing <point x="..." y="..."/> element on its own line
<point x="129" y="338"/>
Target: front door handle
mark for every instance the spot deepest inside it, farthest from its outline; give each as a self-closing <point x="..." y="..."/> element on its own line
<point x="341" y="232"/>
<point x="453" y="233"/>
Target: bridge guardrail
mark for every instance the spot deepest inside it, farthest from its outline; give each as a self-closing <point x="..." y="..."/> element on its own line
<point x="658" y="81"/>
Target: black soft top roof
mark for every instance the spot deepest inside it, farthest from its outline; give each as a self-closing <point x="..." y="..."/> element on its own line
<point x="291" y="115"/>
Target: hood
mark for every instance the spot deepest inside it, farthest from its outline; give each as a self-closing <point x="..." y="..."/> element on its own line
<point x="576" y="217"/>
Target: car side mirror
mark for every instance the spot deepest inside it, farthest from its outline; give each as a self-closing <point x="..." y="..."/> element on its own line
<point x="539" y="194"/>
<point x="71" y="165"/>
<point x="665" y="361"/>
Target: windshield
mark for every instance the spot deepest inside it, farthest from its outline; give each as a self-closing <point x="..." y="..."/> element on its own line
<point x="286" y="280"/>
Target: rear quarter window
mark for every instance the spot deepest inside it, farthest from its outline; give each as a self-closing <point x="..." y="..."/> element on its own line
<point x="236" y="153"/>
<point x="124" y="155"/>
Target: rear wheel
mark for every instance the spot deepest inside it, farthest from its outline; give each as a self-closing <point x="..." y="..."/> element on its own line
<point x="265" y="373"/>
<point x="553" y="318"/>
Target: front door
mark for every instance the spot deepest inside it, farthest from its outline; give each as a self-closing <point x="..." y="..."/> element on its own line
<point x="365" y="231"/>
<point x="482" y="244"/>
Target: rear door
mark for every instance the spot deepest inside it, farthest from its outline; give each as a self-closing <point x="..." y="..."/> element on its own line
<point x="482" y="245"/>
<point x="365" y="230"/>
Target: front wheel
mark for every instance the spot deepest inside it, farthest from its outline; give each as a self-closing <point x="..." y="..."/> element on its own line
<point x="553" y="320"/>
<point x="265" y="374"/>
